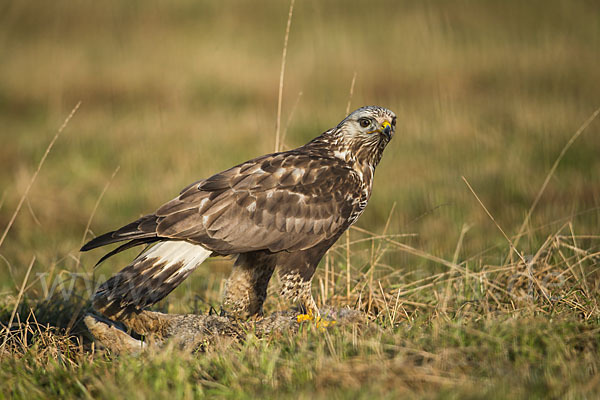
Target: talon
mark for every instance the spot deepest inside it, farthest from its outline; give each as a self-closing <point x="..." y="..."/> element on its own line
<point x="304" y="317"/>
<point x="323" y="323"/>
<point x="309" y="316"/>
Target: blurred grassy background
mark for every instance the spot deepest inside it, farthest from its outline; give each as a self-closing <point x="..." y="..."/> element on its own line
<point x="173" y="92"/>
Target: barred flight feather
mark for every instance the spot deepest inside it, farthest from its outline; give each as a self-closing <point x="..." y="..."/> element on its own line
<point x="150" y="277"/>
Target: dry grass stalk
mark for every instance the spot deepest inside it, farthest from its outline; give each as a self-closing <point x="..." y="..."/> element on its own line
<point x="289" y="120"/>
<point x="348" y="277"/>
<point x="564" y="150"/>
<point x="351" y="93"/>
<point x="14" y="312"/>
<point x="510" y="243"/>
<point x="37" y="171"/>
<point x="282" y="74"/>
<point x="94" y="209"/>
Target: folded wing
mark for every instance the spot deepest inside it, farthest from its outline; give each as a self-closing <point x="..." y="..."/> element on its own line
<point x="286" y="201"/>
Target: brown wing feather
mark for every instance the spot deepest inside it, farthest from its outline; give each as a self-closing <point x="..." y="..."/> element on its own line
<point x="275" y="202"/>
<point x="140" y="231"/>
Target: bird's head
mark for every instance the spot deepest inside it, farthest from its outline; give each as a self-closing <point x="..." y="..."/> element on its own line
<point x="365" y="133"/>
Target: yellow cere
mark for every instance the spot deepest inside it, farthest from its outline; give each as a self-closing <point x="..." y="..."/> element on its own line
<point x="384" y="125"/>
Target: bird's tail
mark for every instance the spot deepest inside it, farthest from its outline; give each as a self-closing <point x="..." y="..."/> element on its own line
<point x="149" y="278"/>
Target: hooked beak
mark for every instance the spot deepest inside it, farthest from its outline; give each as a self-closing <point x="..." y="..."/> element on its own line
<point x="386" y="129"/>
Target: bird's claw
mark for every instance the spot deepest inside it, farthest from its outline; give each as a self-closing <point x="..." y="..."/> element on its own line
<point x="304" y="317"/>
<point x="320" y="322"/>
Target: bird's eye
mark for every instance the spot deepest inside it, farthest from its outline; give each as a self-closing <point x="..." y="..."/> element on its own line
<point x="394" y="121"/>
<point x="364" y="122"/>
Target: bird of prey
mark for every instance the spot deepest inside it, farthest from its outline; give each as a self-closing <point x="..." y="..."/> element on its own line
<point x="278" y="211"/>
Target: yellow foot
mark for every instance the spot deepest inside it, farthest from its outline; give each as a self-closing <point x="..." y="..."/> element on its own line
<point x="305" y="317"/>
<point x="321" y="323"/>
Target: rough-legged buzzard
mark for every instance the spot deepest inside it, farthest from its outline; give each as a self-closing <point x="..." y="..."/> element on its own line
<point x="279" y="211"/>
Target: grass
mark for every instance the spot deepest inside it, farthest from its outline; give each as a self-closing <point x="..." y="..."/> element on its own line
<point x="490" y="91"/>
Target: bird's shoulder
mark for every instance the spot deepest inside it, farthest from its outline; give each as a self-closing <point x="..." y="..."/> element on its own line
<point x="299" y="168"/>
<point x="307" y="178"/>
<point x="281" y="201"/>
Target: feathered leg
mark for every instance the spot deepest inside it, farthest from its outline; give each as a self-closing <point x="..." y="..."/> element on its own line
<point x="296" y="273"/>
<point x="297" y="289"/>
<point x="246" y="288"/>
